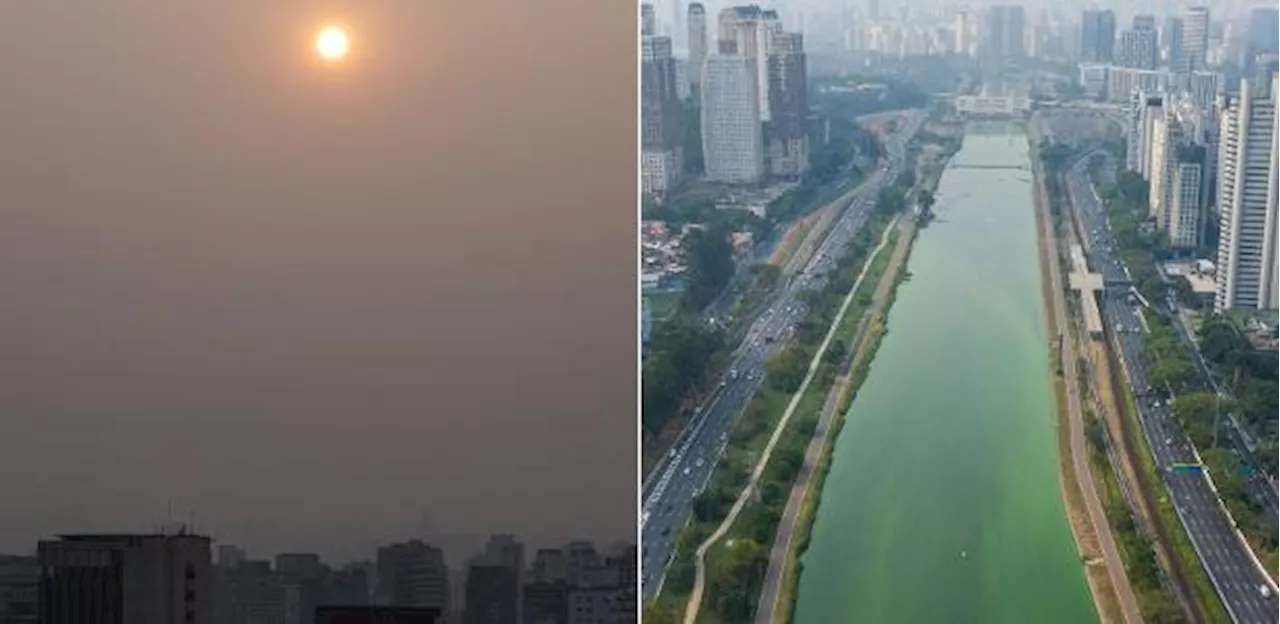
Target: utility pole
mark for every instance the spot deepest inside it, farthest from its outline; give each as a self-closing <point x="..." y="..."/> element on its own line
<point x="1217" y="416"/>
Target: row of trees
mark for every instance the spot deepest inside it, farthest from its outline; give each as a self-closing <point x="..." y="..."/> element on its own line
<point x="731" y="576"/>
<point x="679" y="354"/>
<point x="1251" y="376"/>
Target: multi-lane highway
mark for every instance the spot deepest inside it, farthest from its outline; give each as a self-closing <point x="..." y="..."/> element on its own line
<point x="1248" y="594"/>
<point x="682" y="475"/>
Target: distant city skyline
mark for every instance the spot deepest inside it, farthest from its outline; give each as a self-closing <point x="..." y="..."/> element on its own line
<point x="136" y="577"/>
<point x="321" y="307"/>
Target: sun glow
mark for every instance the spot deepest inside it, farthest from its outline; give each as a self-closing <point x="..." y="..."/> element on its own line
<point x="332" y="44"/>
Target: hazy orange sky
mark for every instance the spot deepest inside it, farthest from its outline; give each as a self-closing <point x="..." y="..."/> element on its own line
<point x="322" y="307"/>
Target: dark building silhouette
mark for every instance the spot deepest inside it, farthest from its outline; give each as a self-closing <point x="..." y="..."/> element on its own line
<point x="1002" y="33"/>
<point x="126" y="579"/>
<point x="19" y="589"/>
<point x="493" y="594"/>
<point x="788" y="89"/>
<point x="1171" y="42"/>
<point x="1097" y="36"/>
<point x="376" y="615"/>
<point x="412" y="574"/>
<point x="546" y="602"/>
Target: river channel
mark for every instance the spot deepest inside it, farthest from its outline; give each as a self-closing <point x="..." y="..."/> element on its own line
<point x="943" y="503"/>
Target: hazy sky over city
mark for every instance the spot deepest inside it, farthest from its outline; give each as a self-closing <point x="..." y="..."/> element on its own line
<point x="322" y="307"/>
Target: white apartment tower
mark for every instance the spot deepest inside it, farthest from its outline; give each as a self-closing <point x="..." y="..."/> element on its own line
<point x="1165" y="136"/>
<point x="748" y="31"/>
<point x="1152" y="109"/>
<point x="732" y="141"/>
<point x="1133" y="131"/>
<point x="1195" y="39"/>
<point x="1185" y="210"/>
<point x="1247" y="197"/>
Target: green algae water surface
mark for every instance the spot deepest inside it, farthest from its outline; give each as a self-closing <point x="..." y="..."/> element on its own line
<point x="943" y="502"/>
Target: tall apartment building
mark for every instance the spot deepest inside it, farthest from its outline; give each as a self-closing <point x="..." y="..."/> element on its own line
<point x="1203" y="88"/>
<point x="1247" y="196"/>
<point x="661" y="132"/>
<point x="697" y="46"/>
<point x="1185" y="212"/>
<point x="1166" y="136"/>
<point x="138" y="579"/>
<point x="1152" y="109"/>
<point x="1144" y="22"/>
<point x="964" y="33"/>
<point x="647" y="25"/>
<point x="1133" y="130"/>
<point x="1264" y="30"/>
<point x="748" y="31"/>
<point x="1003" y="33"/>
<point x="1195" y="39"/>
<point x="1171" y="42"/>
<point x="788" y="87"/>
<point x="1097" y="36"/>
<point x="732" y="142"/>
<point x="1139" y="49"/>
<point x="412" y="574"/>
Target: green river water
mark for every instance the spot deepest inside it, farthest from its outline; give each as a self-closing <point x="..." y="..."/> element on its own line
<point x="943" y="503"/>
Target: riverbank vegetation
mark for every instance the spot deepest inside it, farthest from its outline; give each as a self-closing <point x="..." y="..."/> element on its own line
<point x="1155" y="600"/>
<point x="732" y="583"/>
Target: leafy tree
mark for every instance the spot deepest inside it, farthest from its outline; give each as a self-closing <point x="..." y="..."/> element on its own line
<point x="1220" y="342"/>
<point x="653" y="612"/>
<point x="1258" y="405"/>
<point x="1224" y="467"/>
<point x="679" y="353"/>
<point x="835" y="352"/>
<point x="734" y="579"/>
<point x="786" y="370"/>
<point x="713" y="504"/>
<point x="1267" y="456"/>
<point x="1197" y="413"/>
<point x="1174" y="373"/>
<point x="709" y="258"/>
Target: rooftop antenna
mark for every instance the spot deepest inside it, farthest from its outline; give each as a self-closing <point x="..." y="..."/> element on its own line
<point x="168" y="518"/>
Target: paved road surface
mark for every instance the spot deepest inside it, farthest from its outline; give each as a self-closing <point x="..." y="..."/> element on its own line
<point x="1229" y="562"/>
<point x="682" y="475"/>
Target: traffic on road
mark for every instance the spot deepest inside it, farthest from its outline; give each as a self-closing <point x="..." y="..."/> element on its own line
<point x="1249" y="595"/>
<point x="685" y="471"/>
